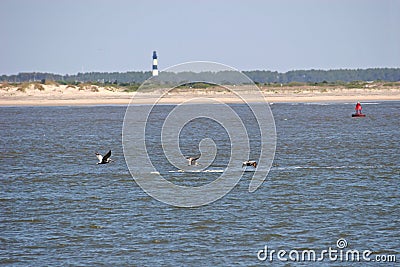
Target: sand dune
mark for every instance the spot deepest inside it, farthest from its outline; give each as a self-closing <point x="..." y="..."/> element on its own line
<point x="36" y="94"/>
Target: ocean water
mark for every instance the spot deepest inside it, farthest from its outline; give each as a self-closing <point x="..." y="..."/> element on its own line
<point x="333" y="178"/>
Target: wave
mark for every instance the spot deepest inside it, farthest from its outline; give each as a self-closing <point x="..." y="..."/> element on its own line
<point x="323" y="167"/>
<point x="273" y="169"/>
<point x="197" y="171"/>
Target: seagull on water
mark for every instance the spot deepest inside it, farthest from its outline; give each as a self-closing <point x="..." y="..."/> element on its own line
<point x="104" y="159"/>
<point x="192" y="160"/>
<point x="249" y="163"/>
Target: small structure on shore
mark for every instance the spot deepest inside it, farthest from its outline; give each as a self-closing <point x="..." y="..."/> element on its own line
<point x="155" y="64"/>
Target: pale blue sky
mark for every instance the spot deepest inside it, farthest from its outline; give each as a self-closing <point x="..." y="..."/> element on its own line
<point x="71" y="36"/>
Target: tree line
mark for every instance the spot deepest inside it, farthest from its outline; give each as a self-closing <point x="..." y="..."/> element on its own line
<point x="258" y="76"/>
<point x="318" y="76"/>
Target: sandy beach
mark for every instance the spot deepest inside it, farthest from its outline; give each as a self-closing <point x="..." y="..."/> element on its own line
<point x="35" y="94"/>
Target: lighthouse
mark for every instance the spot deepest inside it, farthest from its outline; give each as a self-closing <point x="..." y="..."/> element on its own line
<point x="155" y="63"/>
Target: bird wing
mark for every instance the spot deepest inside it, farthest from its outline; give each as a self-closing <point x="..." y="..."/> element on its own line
<point x="106" y="156"/>
<point x="193" y="160"/>
<point x="100" y="157"/>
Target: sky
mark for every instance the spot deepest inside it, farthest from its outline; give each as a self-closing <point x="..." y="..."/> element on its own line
<point x="71" y="36"/>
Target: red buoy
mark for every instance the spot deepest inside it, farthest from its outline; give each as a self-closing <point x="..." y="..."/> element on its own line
<point x="358" y="111"/>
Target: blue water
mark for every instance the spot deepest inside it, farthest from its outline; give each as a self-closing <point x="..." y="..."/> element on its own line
<point x="333" y="177"/>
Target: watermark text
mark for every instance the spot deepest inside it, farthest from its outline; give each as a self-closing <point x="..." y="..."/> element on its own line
<point x="339" y="253"/>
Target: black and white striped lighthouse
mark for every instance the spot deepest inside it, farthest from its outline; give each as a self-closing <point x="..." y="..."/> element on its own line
<point x="155" y="63"/>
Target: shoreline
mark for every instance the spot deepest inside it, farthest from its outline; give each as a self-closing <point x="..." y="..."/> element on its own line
<point x="58" y="95"/>
<point x="125" y="102"/>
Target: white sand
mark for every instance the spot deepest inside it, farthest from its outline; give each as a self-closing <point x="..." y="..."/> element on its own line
<point x="60" y="95"/>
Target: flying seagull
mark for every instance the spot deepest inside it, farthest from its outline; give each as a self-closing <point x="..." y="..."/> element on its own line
<point x="104" y="159"/>
<point x="249" y="163"/>
<point x="192" y="161"/>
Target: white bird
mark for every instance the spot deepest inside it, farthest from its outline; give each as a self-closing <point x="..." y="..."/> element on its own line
<point x="192" y="160"/>
<point x="250" y="163"/>
<point x="104" y="159"/>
